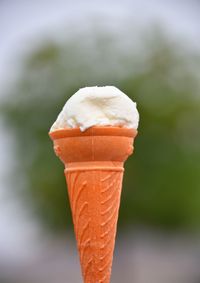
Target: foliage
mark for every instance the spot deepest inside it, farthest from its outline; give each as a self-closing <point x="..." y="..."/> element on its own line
<point x="161" y="184"/>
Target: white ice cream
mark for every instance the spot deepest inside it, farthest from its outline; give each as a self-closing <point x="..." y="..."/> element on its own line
<point x="97" y="106"/>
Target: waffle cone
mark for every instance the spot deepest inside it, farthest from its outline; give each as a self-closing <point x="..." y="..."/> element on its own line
<point x="94" y="170"/>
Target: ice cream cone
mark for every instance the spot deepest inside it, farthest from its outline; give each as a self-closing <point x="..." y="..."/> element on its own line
<point x="94" y="170"/>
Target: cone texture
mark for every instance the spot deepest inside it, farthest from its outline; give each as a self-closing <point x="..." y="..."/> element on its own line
<point x="95" y="198"/>
<point x="94" y="171"/>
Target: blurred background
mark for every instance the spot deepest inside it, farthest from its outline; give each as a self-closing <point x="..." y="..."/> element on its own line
<point x="151" y="51"/>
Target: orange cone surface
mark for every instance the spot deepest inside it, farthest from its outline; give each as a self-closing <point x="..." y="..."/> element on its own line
<point x="94" y="170"/>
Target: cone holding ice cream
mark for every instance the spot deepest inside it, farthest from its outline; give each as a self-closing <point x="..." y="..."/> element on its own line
<point x="93" y="136"/>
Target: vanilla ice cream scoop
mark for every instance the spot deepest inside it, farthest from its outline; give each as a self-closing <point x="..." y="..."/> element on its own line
<point x="97" y="106"/>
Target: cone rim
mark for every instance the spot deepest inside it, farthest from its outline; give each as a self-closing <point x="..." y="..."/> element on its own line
<point x="93" y="131"/>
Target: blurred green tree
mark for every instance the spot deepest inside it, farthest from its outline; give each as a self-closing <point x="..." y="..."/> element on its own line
<point x="162" y="184"/>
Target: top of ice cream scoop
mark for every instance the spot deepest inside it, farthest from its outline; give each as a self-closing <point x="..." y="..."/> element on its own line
<point x="97" y="106"/>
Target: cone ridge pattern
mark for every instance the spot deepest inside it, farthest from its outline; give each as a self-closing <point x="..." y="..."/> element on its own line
<point x="95" y="198"/>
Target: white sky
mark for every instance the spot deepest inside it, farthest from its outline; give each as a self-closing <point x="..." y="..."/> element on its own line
<point x="24" y="22"/>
